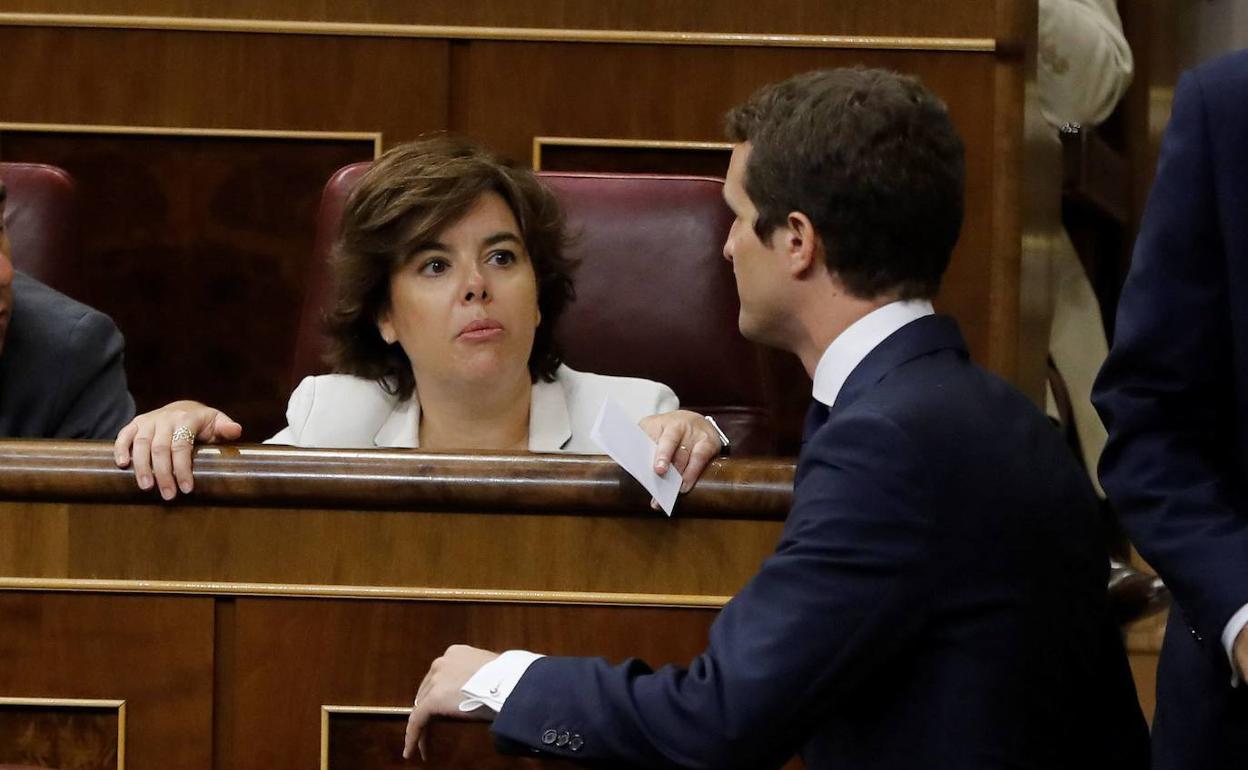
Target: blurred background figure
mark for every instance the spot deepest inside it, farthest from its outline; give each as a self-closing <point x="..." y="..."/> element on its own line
<point x="61" y="373"/>
<point x="1083" y="68"/>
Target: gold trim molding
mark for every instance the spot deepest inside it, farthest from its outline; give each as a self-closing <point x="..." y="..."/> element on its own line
<point x="541" y="142"/>
<point x="475" y="595"/>
<point x="240" y="133"/>
<point x="82" y="703"/>
<point x="521" y="34"/>
<point x="328" y="710"/>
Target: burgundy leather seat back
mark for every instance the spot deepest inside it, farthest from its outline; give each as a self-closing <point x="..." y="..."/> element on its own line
<point x="310" y="340"/>
<point x="654" y="296"/>
<point x="41" y="216"/>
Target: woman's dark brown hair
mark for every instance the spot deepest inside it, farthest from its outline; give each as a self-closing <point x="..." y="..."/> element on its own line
<point x="408" y="196"/>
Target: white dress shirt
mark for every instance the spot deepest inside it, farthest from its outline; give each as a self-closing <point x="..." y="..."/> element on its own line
<point x="860" y="338"/>
<point x="1229" y="634"/>
<point x="494" y="681"/>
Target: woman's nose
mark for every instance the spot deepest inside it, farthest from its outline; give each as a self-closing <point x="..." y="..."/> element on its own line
<point x="475" y="287"/>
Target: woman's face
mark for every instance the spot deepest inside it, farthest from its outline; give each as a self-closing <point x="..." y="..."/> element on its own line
<point x="464" y="307"/>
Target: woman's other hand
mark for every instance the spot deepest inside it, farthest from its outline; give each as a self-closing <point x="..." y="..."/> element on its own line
<point x="159" y="444"/>
<point x="686" y="441"/>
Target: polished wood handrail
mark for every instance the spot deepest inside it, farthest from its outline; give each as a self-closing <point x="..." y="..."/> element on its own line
<point x="393" y="479"/>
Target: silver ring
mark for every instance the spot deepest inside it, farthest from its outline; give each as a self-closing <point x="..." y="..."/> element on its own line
<point x="682" y="446"/>
<point x="182" y="435"/>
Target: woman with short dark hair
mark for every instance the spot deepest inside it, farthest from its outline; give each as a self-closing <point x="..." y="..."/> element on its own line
<point x="449" y="277"/>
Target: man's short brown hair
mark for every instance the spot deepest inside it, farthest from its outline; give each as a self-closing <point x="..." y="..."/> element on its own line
<point x="408" y="196"/>
<point x="873" y="159"/>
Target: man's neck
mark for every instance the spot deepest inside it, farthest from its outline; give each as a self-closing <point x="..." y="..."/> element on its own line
<point x="824" y="320"/>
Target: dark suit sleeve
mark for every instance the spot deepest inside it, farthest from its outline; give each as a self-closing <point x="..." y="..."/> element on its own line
<point x="94" y="401"/>
<point x="843" y="591"/>
<point x="1166" y="391"/>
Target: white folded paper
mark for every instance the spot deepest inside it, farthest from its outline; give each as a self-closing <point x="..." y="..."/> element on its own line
<point x="628" y="445"/>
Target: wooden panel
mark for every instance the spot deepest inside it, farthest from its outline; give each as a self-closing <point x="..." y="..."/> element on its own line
<point x="155" y="653"/>
<point x="198" y="247"/>
<point x="374" y="654"/>
<point x="356" y="741"/>
<point x="220" y="80"/>
<point x="674" y="93"/>
<point x="887" y="17"/>
<point x="65" y="736"/>
<point x="441" y="550"/>
<point x="635" y="160"/>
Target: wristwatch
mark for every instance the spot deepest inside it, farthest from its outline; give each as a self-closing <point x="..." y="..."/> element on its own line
<point x="726" y="445"/>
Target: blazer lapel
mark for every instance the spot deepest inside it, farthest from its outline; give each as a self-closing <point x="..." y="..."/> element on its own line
<point x="550" y="426"/>
<point x="401" y="429"/>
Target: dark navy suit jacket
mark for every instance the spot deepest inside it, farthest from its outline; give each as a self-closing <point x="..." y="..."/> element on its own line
<point x="937" y="600"/>
<point x="1174" y="396"/>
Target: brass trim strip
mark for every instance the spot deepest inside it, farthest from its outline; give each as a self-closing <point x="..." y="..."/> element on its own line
<point x="327" y="710"/>
<point x="523" y="34"/>
<point x="539" y="142"/>
<point x="479" y="595"/>
<point x="241" y="133"/>
<point x="82" y="703"/>
<point x="85" y="703"/>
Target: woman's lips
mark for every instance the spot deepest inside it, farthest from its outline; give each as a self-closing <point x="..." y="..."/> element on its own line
<point x="481" y="330"/>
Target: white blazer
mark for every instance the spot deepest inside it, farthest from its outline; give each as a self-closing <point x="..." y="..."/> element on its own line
<point x="343" y="411"/>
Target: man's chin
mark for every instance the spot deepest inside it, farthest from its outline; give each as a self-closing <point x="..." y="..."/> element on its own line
<point x="755" y="331"/>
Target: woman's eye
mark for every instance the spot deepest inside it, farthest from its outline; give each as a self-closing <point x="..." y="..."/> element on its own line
<point x="434" y="267"/>
<point x="501" y="257"/>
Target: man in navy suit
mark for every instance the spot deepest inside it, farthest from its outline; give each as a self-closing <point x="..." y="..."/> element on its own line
<point x="1174" y="397"/>
<point x="937" y="598"/>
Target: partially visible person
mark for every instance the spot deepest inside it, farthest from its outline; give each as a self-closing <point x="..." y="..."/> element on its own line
<point x="937" y="598"/>
<point x="1083" y="68"/>
<point x="61" y="372"/>
<point x="1084" y="64"/>
<point x="449" y="276"/>
<point x="1174" y="396"/>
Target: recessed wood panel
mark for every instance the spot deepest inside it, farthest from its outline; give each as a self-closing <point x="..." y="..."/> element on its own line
<point x="155" y="653"/>
<point x="65" y="735"/>
<point x="635" y="160"/>
<point x="198" y="247"/>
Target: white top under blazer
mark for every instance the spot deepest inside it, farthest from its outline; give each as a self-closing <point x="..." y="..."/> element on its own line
<point x="348" y="412"/>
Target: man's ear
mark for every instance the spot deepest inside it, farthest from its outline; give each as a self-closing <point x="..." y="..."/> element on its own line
<point x="801" y="244"/>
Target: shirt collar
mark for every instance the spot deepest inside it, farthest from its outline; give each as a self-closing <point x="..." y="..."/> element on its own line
<point x="858" y="340"/>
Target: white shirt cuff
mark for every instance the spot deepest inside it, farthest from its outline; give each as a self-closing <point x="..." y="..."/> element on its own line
<point x="494" y="681"/>
<point x="1229" y="635"/>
